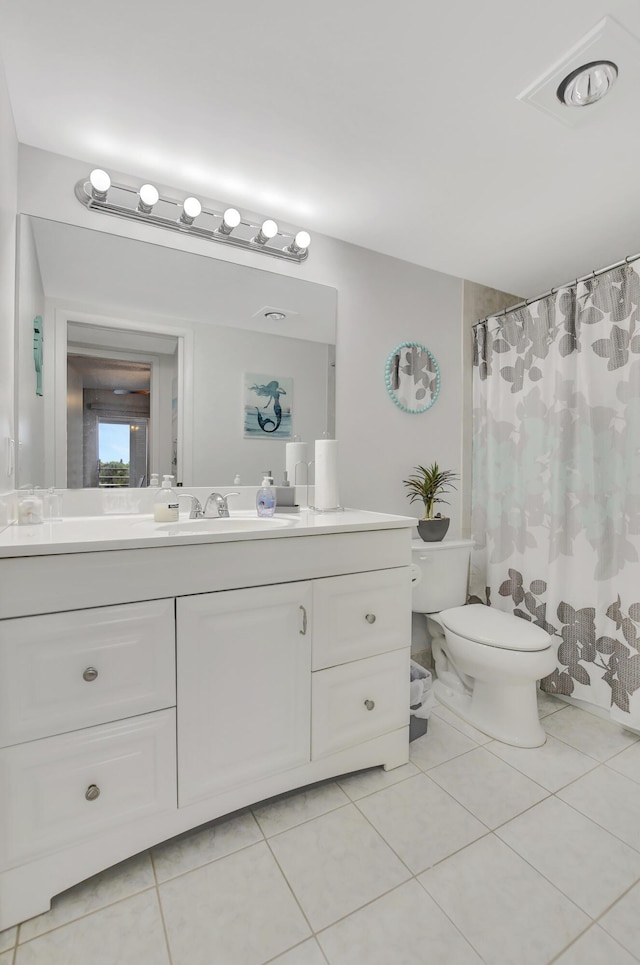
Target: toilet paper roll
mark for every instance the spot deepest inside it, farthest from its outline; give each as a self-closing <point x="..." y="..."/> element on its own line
<point x="296" y="452"/>
<point x="326" y="474"/>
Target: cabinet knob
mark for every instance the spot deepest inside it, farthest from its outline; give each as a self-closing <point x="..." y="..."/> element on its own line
<point x="370" y="618"/>
<point x="369" y="704"/>
<point x="90" y="674"/>
<point x="92" y="792"/>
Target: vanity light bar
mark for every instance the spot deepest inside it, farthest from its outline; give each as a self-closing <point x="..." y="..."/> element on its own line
<point x="99" y="193"/>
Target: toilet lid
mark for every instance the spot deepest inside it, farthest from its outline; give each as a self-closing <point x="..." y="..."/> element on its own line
<point x="485" y="624"/>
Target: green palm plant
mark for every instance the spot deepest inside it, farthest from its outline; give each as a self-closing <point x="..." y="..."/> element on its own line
<point x="428" y="484"/>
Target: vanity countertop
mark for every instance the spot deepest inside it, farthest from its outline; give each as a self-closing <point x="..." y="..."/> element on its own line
<point x="90" y="534"/>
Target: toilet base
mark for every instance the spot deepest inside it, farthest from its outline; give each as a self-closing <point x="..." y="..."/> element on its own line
<point x="508" y="714"/>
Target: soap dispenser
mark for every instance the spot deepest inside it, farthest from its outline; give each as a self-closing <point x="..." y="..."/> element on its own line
<point x="266" y="496"/>
<point x="165" y="505"/>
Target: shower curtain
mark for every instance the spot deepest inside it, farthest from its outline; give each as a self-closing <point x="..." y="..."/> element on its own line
<point x="556" y="481"/>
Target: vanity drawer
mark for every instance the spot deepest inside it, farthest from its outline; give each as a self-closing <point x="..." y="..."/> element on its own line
<point x="62" y="790"/>
<point x="63" y="671"/>
<point x="361" y="615"/>
<point x="359" y="701"/>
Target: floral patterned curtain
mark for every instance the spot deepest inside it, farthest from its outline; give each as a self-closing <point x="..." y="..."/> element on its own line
<point x="556" y="481"/>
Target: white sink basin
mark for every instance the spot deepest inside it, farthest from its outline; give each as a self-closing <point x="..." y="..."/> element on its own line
<point x="231" y="524"/>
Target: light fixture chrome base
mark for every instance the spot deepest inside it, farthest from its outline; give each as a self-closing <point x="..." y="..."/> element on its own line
<point x="122" y="202"/>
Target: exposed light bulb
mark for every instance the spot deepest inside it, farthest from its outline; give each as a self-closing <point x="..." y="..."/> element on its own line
<point x="268" y="230"/>
<point x="300" y="243"/>
<point x="191" y="208"/>
<point x="148" y="197"/>
<point x="230" y="220"/>
<point x="100" y="184"/>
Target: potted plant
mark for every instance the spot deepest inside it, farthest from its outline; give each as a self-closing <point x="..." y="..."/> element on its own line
<point x="429" y="484"/>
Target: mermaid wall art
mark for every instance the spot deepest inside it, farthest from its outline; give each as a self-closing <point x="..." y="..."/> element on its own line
<point x="267" y="407"/>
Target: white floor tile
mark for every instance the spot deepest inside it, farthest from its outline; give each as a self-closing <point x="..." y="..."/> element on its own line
<point x="127" y="933"/>
<point x="592" y="735"/>
<point x="548" y="704"/>
<point x="609" y="799"/>
<point x="237" y="910"/>
<point x="628" y="762"/>
<point x="8" y="938"/>
<point x="622" y="922"/>
<point x="336" y="863"/>
<point x="120" y="881"/>
<point x="6" y="958"/>
<point x="505" y="909"/>
<point x="374" y="779"/>
<point x="404" y="927"/>
<point x="420" y="821"/>
<point x="492" y="790"/>
<point x="286" y="812"/>
<point x="553" y="765"/>
<point x="441" y="743"/>
<point x="196" y="848"/>
<point x="579" y="857"/>
<point x="306" y="954"/>
<point x="595" y="947"/>
<point x="450" y="718"/>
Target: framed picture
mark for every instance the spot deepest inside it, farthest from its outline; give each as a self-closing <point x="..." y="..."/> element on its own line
<point x="267" y="406"/>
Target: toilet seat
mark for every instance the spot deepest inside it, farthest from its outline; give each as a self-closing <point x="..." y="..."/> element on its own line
<point x="493" y="628"/>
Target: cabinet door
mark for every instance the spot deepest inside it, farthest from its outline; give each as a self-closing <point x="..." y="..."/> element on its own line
<point x="66" y="789"/>
<point x="359" y="701"/>
<point x="244" y="686"/>
<point x="360" y="615"/>
<point x="64" y="671"/>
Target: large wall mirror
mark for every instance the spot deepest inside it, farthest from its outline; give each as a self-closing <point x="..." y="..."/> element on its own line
<point x="154" y="360"/>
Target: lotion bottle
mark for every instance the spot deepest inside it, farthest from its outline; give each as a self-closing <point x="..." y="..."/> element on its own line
<point x="165" y="505"/>
<point x="266" y="496"/>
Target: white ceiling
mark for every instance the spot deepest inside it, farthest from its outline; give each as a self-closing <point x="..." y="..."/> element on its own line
<point x="392" y="125"/>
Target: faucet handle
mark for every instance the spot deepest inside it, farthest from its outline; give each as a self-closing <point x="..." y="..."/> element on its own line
<point x="220" y="501"/>
<point x="196" y="511"/>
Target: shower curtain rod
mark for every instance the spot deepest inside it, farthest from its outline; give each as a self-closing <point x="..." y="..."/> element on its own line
<point x="552" y="291"/>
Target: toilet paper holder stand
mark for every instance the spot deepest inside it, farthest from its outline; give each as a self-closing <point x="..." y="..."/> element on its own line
<point x="315" y="509"/>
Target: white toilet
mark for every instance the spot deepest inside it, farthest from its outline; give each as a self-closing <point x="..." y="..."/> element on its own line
<point x="487" y="662"/>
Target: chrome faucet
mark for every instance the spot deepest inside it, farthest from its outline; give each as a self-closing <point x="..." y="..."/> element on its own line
<point x="196" y="511"/>
<point x="222" y="510"/>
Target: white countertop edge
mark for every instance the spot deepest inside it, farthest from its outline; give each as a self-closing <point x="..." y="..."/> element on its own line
<point x="48" y="539"/>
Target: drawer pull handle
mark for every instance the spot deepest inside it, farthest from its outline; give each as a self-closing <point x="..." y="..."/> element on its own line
<point x="90" y="674"/>
<point x="370" y="618"/>
<point x="92" y="792"/>
<point x="303" y="614"/>
<point x="369" y="704"/>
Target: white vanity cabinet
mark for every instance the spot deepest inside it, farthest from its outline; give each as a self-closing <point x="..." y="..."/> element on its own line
<point x="145" y="691"/>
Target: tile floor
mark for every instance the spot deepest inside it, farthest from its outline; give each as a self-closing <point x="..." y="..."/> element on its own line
<point x="473" y="852"/>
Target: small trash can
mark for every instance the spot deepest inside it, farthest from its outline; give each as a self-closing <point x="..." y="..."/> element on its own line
<point x="420" y="700"/>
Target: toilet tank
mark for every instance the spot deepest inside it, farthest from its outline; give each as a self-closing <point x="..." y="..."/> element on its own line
<point x="440" y="574"/>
